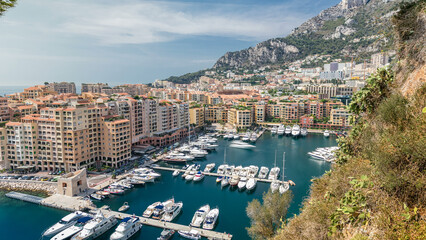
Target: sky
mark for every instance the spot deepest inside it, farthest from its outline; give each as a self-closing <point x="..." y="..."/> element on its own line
<point x="135" y="41"/>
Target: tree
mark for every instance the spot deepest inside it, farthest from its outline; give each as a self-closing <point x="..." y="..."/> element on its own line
<point x="268" y="217"/>
<point x="6" y="4"/>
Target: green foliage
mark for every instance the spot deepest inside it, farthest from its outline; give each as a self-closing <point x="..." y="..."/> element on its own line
<point x="268" y="217"/>
<point x="186" y="78"/>
<point x="331" y="25"/>
<point x="6" y="4"/>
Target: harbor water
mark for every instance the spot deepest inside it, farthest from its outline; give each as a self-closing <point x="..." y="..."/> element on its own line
<point x="19" y="220"/>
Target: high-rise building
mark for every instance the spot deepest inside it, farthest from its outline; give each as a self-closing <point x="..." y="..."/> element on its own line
<point x="62" y="87"/>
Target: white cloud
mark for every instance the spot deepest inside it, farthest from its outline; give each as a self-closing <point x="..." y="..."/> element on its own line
<point x="134" y="22"/>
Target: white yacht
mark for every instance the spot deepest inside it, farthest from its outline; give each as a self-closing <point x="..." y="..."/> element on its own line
<point x="211" y="218"/>
<point x="242" y="183"/>
<point x="273" y="174"/>
<point x="295" y="131"/>
<point x="221" y="169"/>
<point x="253" y="137"/>
<point x="275" y="185"/>
<point x="304" y="132"/>
<point x="252" y="171"/>
<point x="229" y="170"/>
<point x="224" y="182"/>
<point x="96" y="227"/>
<point x="246" y="137"/>
<point x="284" y="187"/>
<point x="241" y="144"/>
<point x="150" y="209"/>
<point x="64" y="223"/>
<point x="166" y="234"/>
<point x="144" y="178"/>
<point x="128" y="227"/>
<point x="236" y="137"/>
<point x="175" y="173"/>
<point x="234" y="180"/>
<point x="147" y="172"/>
<point x="192" y="234"/>
<point x="209" y="167"/>
<point x="287" y="130"/>
<point x="263" y="173"/>
<point x="198" y="177"/>
<point x="71" y="231"/>
<point x="172" y="212"/>
<point x="274" y="130"/>
<point x="199" y="216"/>
<point x="179" y="155"/>
<point x="190" y="175"/>
<point x="160" y="209"/>
<point x="251" y="184"/>
<point x="198" y="153"/>
<point x="280" y="130"/>
<point x="326" y="133"/>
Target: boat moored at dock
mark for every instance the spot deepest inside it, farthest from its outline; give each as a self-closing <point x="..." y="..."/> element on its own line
<point x="211" y="219"/>
<point x="96" y="227"/>
<point x="199" y="216"/>
<point x="71" y="231"/>
<point x="66" y="222"/>
<point x="128" y="227"/>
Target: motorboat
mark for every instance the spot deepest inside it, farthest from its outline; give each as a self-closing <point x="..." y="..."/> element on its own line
<point x="135" y="182"/>
<point x="147" y="172"/>
<point x="103" y="194"/>
<point x="287" y="130"/>
<point x="295" y="131"/>
<point x="209" y="167"/>
<point x="304" y="132"/>
<point x="171" y="212"/>
<point x="124" y="208"/>
<point x="237" y="170"/>
<point x="211" y="219"/>
<point x="199" y="216"/>
<point x="252" y="171"/>
<point x="241" y="144"/>
<point x="198" y="177"/>
<point x="115" y="191"/>
<point x="221" y="169"/>
<point x="219" y="179"/>
<point x="251" y="184"/>
<point x="175" y="173"/>
<point x="242" y="183"/>
<point x="147" y="179"/>
<point x="71" y="231"/>
<point x="274" y="130"/>
<point x="229" y="170"/>
<point x="128" y="227"/>
<point x="224" y="182"/>
<point x="150" y="210"/>
<point x="191" y="234"/>
<point x="273" y="174"/>
<point x="246" y="137"/>
<point x="236" y="137"/>
<point x="280" y="130"/>
<point x="234" y="180"/>
<point x="198" y="153"/>
<point x="190" y="176"/>
<point x="161" y="208"/>
<point x="326" y="133"/>
<point x="179" y="155"/>
<point x="66" y="222"/>
<point x="275" y="185"/>
<point x="166" y="234"/>
<point x="253" y="137"/>
<point x="263" y="173"/>
<point x="96" y="227"/>
<point x="96" y="196"/>
<point x="284" y="187"/>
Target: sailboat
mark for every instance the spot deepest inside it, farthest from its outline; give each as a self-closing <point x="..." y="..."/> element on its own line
<point x="284" y="185"/>
<point x="221" y="169"/>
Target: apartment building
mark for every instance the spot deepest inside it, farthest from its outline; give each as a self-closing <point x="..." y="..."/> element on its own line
<point x="62" y="87"/>
<point x="331" y="91"/>
<point x="93" y="87"/>
<point x="216" y="114"/>
<point x="259" y="113"/>
<point x="340" y="116"/>
<point x="292" y="110"/>
<point x="115" y="146"/>
<point x="196" y="116"/>
<point x="4" y="110"/>
<point x="240" y="117"/>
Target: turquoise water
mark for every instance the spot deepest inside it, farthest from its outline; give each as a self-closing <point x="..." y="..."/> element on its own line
<point x="19" y="220"/>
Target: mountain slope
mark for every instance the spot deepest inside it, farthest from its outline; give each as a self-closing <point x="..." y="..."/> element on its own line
<point x="351" y="28"/>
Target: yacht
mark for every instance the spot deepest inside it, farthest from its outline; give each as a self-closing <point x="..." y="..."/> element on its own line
<point x="229" y="170"/>
<point x="280" y="130"/>
<point x="251" y="184"/>
<point x="198" y="153"/>
<point x="304" y="132"/>
<point x="253" y="137"/>
<point x="295" y="131"/>
<point x="172" y="212"/>
<point x="147" y="172"/>
<point x="166" y="234"/>
<point x="246" y="137"/>
<point x="192" y="234"/>
<point x="198" y="177"/>
<point x="273" y="174"/>
<point x="175" y="173"/>
<point x="236" y="137"/>
<point x="96" y="196"/>
<point x="326" y="133"/>
<point x="144" y="178"/>
<point x="128" y="227"/>
<point x="252" y="171"/>
<point x="241" y="144"/>
<point x="160" y="209"/>
<point x="287" y="130"/>
<point x="209" y="167"/>
<point x="242" y="183"/>
<point x="284" y="187"/>
<point x="224" y="182"/>
<point x="199" y="216"/>
<point x="263" y="173"/>
<point x="150" y="210"/>
<point x="221" y="169"/>
<point x="178" y="155"/>
<point x="275" y="185"/>
<point x="71" y="231"/>
<point x="66" y="222"/>
<point x="96" y="227"/>
<point x="211" y="218"/>
<point x="274" y="130"/>
<point x="234" y="180"/>
<point x="190" y="175"/>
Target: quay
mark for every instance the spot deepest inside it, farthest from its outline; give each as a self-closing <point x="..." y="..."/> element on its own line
<point x="24" y="197"/>
<point x="219" y="175"/>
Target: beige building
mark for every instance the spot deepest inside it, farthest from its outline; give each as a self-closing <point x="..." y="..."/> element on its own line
<point x="240" y="117"/>
<point x="216" y="114"/>
<point x="196" y="116"/>
<point x="4" y="110"/>
<point x="340" y="116"/>
<point x="115" y="146"/>
<point x="72" y="184"/>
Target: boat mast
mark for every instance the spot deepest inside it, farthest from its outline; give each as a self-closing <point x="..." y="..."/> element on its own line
<point x="283" y="164"/>
<point x="275" y="163"/>
<point x="224" y="156"/>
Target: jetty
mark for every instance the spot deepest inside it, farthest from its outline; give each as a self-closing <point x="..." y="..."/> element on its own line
<point x="219" y="175"/>
<point x="24" y="197"/>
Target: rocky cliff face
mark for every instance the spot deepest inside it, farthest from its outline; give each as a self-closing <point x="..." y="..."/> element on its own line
<point x="351" y="27"/>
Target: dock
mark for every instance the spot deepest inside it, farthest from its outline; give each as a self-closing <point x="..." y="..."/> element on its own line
<point x="170" y="225"/>
<point x="24" y="197"/>
<point x="218" y="175"/>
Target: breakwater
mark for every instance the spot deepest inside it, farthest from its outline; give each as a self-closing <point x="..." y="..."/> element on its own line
<point x="25" y="185"/>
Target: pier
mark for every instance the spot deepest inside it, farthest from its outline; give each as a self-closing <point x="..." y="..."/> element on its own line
<point x="170" y="225"/>
<point x="24" y="197"/>
<point x="219" y="175"/>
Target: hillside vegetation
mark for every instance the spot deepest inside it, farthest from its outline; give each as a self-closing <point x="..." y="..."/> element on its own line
<point x="377" y="190"/>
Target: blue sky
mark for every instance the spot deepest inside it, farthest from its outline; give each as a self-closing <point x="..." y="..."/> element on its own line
<point x="135" y="41"/>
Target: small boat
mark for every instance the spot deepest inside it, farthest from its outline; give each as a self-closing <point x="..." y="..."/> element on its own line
<point x="251" y="184"/>
<point x="150" y="209"/>
<point x="199" y="216"/>
<point x="115" y="191"/>
<point x="198" y="177"/>
<point x="135" y="182"/>
<point x="124" y="208"/>
<point x="97" y="196"/>
<point x="263" y="173"/>
<point x="192" y="234"/>
<point x="190" y="176"/>
<point x="209" y="167"/>
<point x="225" y="182"/>
<point x="275" y="185"/>
<point x="96" y="227"/>
<point x="284" y="187"/>
<point x="219" y="179"/>
<point x="176" y="173"/>
<point x="234" y="180"/>
<point x="241" y="144"/>
<point x="128" y="227"/>
<point x="211" y="218"/>
<point x="103" y="193"/>
<point x="242" y="183"/>
<point x="66" y="222"/>
<point x="304" y="132"/>
<point x="326" y="133"/>
<point x="166" y="234"/>
<point x="71" y="231"/>
<point x="172" y="212"/>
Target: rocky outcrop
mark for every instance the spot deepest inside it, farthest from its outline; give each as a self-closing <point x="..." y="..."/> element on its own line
<point x="32" y="186"/>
